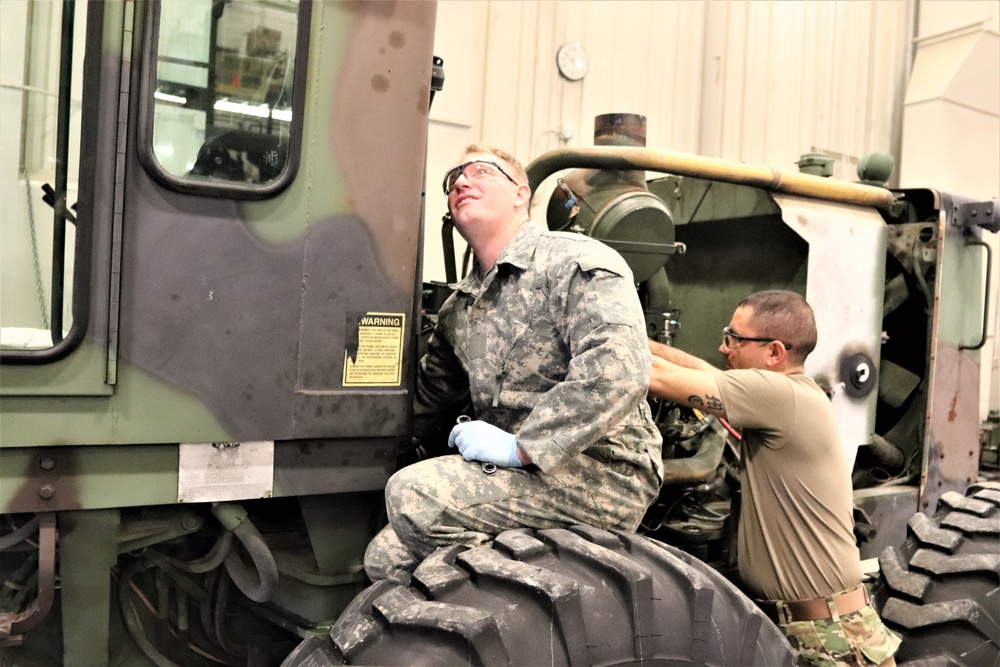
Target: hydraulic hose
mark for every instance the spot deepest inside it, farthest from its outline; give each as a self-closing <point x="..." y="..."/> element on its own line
<point x="131" y="616"/>
<point x="258" y="586"/>
<point x="16" y="537"/>
<point x="222" y="548"/>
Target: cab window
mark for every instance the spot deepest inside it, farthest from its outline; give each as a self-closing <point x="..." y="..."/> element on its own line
<point x="226" y="99"/>
<point x="41" y="97"/>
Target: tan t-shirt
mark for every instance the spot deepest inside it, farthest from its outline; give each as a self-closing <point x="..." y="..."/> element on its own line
<point x="796" y="535"/>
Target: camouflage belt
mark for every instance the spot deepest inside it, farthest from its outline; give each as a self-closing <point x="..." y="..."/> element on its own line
<point x="833" y="606"/>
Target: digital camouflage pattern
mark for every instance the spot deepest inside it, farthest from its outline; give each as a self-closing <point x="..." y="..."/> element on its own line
<point x="856" y="640"/>
<point x="550" y="345"/>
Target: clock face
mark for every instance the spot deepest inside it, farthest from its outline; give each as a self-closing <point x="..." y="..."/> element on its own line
<point x="572" y="61"/>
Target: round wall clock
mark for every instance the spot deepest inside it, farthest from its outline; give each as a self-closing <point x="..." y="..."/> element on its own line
<point x="572" y="60"/>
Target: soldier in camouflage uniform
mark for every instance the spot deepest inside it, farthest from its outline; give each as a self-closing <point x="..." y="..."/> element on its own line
<point x="797" y="552"/>
<point x="545" y="338"/>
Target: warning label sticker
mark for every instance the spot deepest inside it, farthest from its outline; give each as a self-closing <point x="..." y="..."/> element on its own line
<point x="374" y="354"/>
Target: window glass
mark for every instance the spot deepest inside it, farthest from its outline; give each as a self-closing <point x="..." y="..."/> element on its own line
<point x="223" y="91"/>
<point x="39" y="165"/>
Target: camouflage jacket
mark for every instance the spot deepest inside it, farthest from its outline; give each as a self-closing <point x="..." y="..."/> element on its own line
<point x="550" y="345"/>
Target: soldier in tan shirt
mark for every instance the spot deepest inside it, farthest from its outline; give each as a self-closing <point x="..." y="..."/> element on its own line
<point x="797" y="551"/>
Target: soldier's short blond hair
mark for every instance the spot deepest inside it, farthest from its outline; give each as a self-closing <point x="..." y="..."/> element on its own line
<point x="517" y="171"/>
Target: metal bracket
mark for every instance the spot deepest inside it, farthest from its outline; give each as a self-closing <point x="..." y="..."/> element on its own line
<point x="985" y="214"/>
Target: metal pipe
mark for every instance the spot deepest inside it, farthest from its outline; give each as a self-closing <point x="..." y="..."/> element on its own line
<point x="39" y="609"/>
<point x="682" y="164"/>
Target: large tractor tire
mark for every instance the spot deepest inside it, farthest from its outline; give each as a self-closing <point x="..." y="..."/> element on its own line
<point x="553" y="597"/>
<point x="940" y="590"/>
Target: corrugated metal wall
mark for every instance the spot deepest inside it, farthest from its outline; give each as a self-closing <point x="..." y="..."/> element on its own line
<point x="747" y="80"/>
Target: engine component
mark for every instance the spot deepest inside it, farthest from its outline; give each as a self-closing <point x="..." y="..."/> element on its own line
<point x="859" y="374"/>
<point x="615" y="206"/>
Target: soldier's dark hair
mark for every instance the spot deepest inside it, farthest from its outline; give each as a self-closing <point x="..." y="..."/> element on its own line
<point x="784" y="316"/>
<point x="516" y="169"/>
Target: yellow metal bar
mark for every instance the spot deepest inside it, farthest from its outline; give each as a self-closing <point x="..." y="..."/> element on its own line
<point x="683" y="164"/>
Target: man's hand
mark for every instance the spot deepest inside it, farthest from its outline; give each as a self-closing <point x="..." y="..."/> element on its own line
<point x="479" y="441"/>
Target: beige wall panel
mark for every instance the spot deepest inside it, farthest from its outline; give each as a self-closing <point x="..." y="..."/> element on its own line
<point x="644" y="58"/>
<point x="732" y="93"/>
<point x="793" y="77"/>
<point x="941" y="16"/>
<point x="456" y="114"/>
<point x="460" y="35"/>
<point x="682" y="99"/>
<point x="973" y="85"/>
<point x="936" y="66"/>
<point x="932" y="130"/>
<point x="890" y="70"/>
<point x="507" y="89"/>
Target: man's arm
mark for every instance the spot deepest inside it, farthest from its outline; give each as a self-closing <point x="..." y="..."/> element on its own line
<point x="594" y="302"/>
<point x="693" y="384"/>
<point x="679" y="357"/>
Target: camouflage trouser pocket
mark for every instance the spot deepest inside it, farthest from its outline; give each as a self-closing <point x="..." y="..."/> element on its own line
<point x="865" y="631"/>
<point x="857" y="640"/>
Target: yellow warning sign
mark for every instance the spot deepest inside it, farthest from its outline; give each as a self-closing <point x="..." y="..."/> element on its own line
<point x="374" y="354"/>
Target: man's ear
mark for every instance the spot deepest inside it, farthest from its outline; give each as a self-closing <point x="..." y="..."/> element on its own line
<point x="523" y="196"/>
<point x="777" y="354"/>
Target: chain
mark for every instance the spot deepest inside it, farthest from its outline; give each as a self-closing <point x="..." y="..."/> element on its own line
<point x="34" y="255"/>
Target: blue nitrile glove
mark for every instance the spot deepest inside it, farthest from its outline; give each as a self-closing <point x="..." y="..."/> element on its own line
<point x="479" y="441"/>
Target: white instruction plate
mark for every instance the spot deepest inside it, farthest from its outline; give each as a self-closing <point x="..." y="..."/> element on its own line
<point x="211" y="471"/>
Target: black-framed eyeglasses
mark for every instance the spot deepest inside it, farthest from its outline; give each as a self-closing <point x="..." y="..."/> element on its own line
<point x="728" y="334"/>
<point x="475" y="170"/>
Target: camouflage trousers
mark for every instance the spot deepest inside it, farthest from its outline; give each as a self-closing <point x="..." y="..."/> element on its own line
<point x="447" y="500"/>
<point x="859" y="639"/>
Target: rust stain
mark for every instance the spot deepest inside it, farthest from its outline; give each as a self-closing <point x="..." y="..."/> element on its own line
<point x="951" y="411"/>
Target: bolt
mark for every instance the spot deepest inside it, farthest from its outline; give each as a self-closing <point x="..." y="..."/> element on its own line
<point x="191" y="522"/>
<point x="47" y="463"/>
<point x="47" y="492"/>
<point x="862" y="372"/>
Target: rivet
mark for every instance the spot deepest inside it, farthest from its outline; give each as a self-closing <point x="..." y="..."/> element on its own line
<point x="47" y="492"/>
<point x="47" y="463"/>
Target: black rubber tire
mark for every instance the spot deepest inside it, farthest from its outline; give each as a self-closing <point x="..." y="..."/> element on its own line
<point x="553" y="597"/>
<point x="940" y="590"/>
